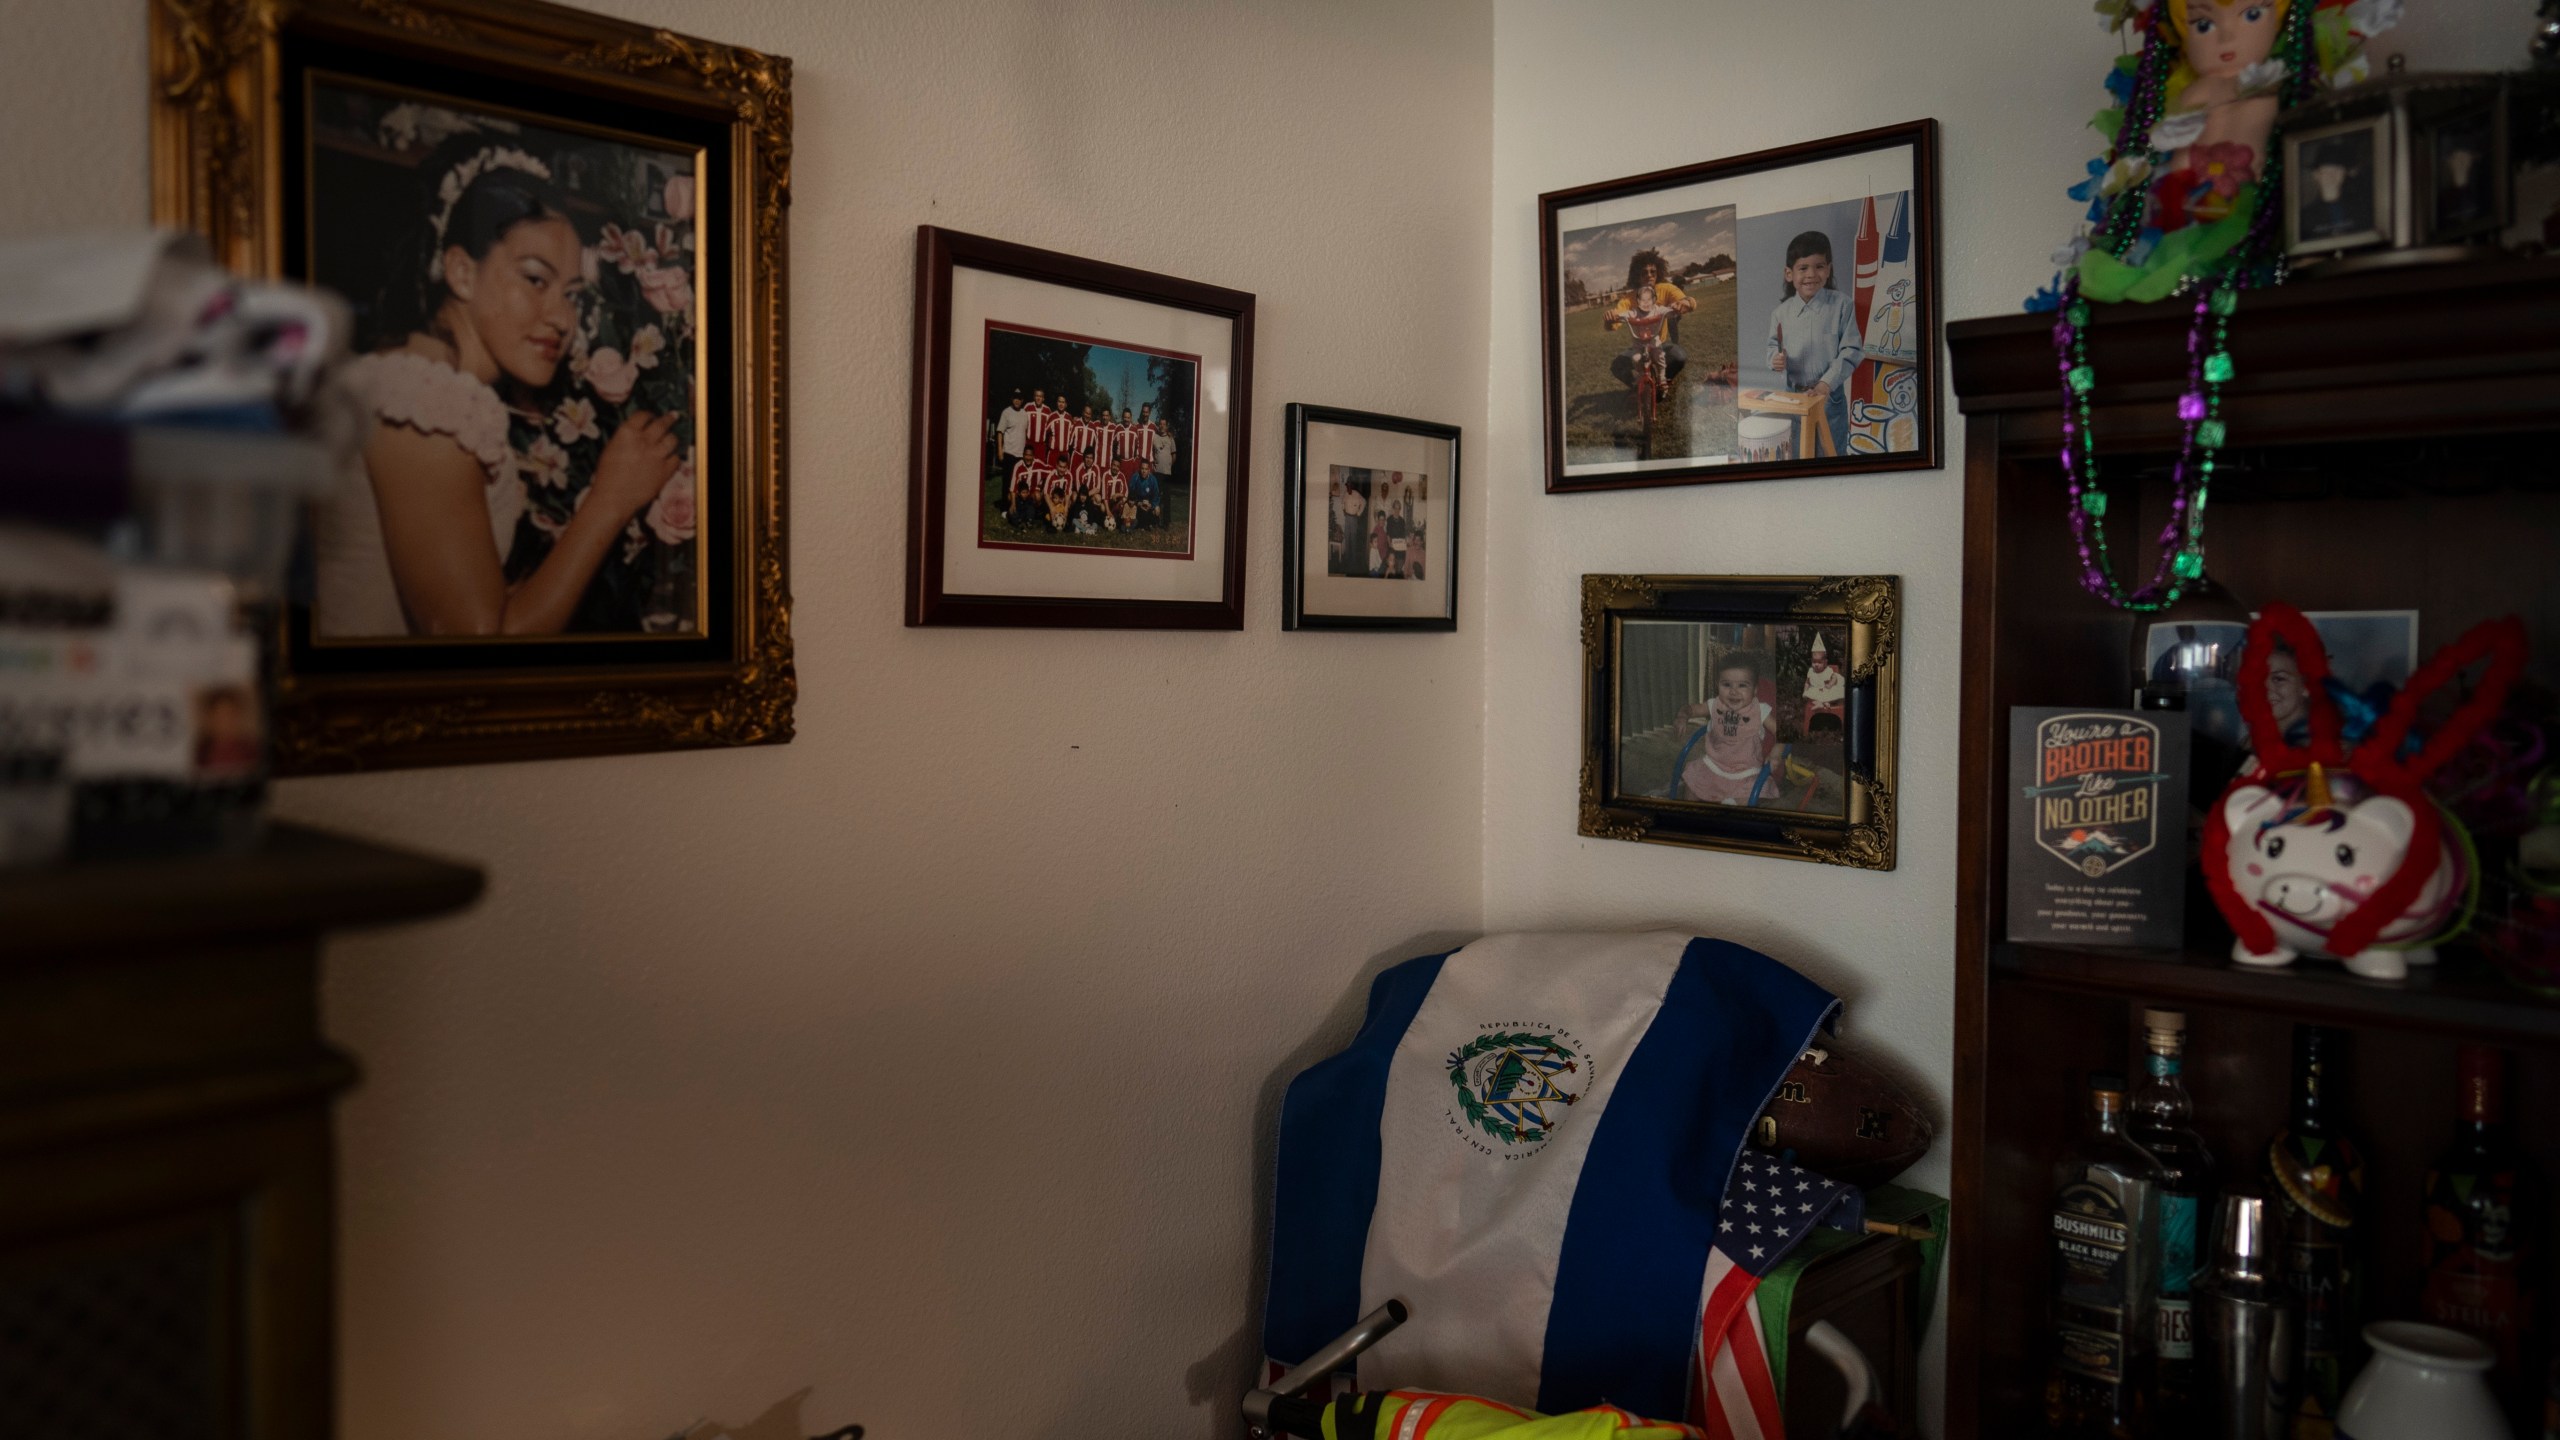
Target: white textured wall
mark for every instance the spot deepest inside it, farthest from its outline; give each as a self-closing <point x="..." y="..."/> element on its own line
<point x="1593" y="91"/>
<point x="929" y="1060"/>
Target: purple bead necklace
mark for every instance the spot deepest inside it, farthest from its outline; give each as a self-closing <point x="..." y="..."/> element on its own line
<point x="2181" y="555"/>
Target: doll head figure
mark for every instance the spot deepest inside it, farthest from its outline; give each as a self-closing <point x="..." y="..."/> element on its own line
<point x="2225" y="37"/>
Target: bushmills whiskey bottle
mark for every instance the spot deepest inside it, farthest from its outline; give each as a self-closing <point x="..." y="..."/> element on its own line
<point x="2163" y="1123"/>
<point x="2315" y="1173"/>
<point x="2105" y="1278"/>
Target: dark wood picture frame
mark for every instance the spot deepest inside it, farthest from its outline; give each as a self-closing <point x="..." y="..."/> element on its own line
<point x="1921" y="136"/>
<point x="1867" y="607"/>
<point x="938" y="253"/>
<point x="1293" y="506"/>
<point x="228" y="138"/>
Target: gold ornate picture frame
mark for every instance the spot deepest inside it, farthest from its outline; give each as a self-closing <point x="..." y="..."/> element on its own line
<point x="302" y="135"/>
<point x="1752" y="713"/>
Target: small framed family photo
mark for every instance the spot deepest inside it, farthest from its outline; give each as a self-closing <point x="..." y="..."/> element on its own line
<point x="1767" y="316"/>
<point x="1077" y="449"/>
<point x="2339" y="178"/>
<point x="1370" y="523"/>
<point x="1747" y="713"/>
<point x="560" y="239"/>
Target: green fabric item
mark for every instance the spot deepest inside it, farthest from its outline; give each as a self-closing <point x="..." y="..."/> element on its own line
<point x="1894" y="1203"/>
<point x="2188" y="250"/>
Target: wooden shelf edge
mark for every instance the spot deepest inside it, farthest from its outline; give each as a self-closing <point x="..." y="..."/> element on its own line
<point x="2461" y="998"/>
<point x="298" y="882"/>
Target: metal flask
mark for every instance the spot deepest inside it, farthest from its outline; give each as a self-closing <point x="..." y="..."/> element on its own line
<point x="2248" y="1329"/>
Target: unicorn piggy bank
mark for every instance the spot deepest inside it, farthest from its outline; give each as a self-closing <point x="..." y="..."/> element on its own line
<point x="2306" y="866"/>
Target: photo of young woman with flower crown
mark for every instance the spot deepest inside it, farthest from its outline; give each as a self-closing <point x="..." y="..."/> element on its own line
<point x="525" y="302"/>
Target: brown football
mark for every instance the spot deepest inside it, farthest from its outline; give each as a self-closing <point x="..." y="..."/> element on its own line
<point x="1844" y="1118"/>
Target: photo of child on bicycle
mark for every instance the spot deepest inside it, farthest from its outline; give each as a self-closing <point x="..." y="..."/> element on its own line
<point x="1640" y="298"/>
<point x="1734" y="713"/>
<point x="1744" y="319"/>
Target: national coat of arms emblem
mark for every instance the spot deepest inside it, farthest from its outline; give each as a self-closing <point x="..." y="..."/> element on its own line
<point x="1514" y="1085"/>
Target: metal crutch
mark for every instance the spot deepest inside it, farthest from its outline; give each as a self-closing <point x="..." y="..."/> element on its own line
<point x="1280" y="1408"/>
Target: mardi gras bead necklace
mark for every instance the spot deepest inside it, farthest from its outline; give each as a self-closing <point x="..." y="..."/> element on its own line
<point x="2209" y="366"/>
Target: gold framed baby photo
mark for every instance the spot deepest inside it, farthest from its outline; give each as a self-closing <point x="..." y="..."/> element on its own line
<point x="560" y="242"/>
<point x="1753" y="713"/>
<point x="1766" y="316"/>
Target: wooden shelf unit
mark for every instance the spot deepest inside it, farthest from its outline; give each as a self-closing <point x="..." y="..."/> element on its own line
<point x="167" y="1179"/>
<point x="2393" y="447"/>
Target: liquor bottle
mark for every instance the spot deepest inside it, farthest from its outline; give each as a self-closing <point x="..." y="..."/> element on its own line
<point x="2315" y="1173"/>
<point x="2105" y="1278"/>
<point x="2482" y="1257"/>
<point x="2163" y="1123"/>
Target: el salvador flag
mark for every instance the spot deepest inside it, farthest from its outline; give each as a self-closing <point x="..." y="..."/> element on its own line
<point x="1527" y="1143"/>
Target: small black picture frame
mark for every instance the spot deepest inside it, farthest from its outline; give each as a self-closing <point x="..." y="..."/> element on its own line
<point x="1369" y="523"/>
<point x="1750" y="713"/>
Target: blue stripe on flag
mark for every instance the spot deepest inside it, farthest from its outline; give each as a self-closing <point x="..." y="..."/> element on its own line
<point x="1633" y="1264"/>
<point x="1328" y="1172"/>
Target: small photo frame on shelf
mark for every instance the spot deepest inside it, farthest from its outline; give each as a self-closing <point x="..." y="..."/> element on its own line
<point x="2462" y="175"/>
<point x="2199" y="661"/>
<point x="1077" y="449"/>
<point x="2339" y="191"/>
<point x="1751" y="713"/>
<point x="1370" y="522"/>
<point x="1766" y="316"/>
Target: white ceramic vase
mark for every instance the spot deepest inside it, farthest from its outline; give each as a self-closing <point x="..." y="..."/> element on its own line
<point x="2424" y="1383"/>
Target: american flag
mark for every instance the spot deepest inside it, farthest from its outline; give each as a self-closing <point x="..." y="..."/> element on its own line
<point x="1770" y="1205"/>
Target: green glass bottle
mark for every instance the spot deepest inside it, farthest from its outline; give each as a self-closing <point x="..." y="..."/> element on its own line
<point x="2163" y="1121"/>
<point x="2315" y="1171"/>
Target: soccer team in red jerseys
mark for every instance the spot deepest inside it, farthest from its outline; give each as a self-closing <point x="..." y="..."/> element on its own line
<point x="1082" y="472"/>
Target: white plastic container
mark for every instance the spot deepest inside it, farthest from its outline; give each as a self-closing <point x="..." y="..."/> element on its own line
<point x="2424" y="1383"/>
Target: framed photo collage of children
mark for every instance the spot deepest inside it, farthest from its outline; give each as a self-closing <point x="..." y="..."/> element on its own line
<point x="1769" y="315"/>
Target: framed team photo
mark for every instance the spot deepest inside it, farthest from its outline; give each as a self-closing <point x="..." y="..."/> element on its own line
<point x="1370" y="522"/>
<point x="1748" y="713"/>
<point x="560" y="243"/>
<point x="1767" y="316"/>
<point x="1077" y="449"/>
